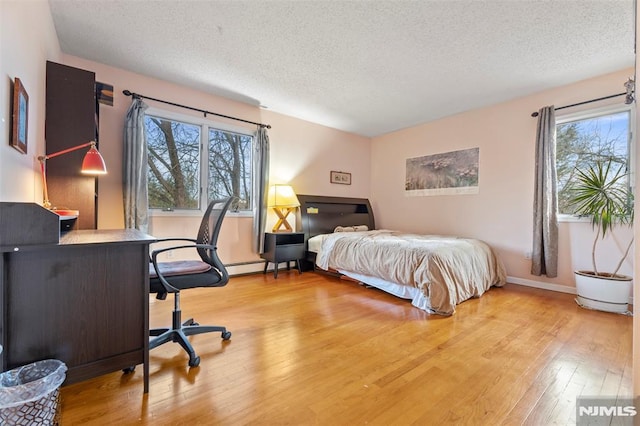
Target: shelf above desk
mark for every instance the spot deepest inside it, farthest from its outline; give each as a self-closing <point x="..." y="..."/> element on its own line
<point x="27" y="223"/>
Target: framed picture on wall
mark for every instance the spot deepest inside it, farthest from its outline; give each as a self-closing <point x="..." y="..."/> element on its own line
<point x="340" y="177"/>
<point x="20" y="117"/>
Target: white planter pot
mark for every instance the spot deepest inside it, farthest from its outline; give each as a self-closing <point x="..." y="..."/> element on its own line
<point x="610" y="294"/>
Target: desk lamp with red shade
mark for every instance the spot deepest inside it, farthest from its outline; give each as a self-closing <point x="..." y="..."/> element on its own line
<point x="93" y="164"/>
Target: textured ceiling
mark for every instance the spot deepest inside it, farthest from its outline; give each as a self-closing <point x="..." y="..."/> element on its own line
<point x="367" y="67"/>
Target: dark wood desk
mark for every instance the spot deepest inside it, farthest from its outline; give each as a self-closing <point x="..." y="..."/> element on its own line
<point x="83" y="301"/>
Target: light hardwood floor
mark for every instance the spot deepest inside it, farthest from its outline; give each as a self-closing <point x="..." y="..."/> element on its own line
<point x="314" y="350"/>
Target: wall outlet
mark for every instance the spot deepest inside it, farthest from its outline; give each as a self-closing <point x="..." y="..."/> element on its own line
<point x="528" y="255"/>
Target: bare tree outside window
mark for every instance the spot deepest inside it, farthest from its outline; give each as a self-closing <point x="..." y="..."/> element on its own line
<point x="230" y="167"/>
<point x="581" y="143"/>
<point x="175" y="165"/>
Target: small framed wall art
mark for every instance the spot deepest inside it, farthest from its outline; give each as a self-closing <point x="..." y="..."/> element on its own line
<point x="340" y="177"/>
<point x="20" y="117"/>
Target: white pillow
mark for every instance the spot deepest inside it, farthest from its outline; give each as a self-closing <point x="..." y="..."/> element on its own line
<point x="351" y="228"/>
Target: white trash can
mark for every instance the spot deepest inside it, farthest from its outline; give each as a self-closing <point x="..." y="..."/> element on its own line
<point x="30" y="395"/>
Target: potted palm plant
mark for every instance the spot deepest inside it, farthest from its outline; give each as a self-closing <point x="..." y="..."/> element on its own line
<point x="600" y="191"/>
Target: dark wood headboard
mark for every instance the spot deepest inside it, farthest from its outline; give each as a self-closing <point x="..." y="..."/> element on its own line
<point x="321" y="215"/>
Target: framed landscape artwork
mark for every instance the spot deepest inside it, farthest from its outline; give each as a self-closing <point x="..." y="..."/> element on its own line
<point x="448" y="173"/>
<point x="20" y="117"/>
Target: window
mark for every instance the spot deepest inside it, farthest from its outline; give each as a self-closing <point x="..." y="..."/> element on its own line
<point x="586" y="138"/>
<point x="192" y="162"/>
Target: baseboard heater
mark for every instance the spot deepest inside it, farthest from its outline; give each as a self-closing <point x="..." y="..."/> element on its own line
<point x="243" y="268"/>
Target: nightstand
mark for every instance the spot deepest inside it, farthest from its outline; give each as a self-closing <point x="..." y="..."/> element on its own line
<point x="283" y="247"/>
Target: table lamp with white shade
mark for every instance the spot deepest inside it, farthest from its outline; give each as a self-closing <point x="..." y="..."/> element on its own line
<point x="283" y="200"/>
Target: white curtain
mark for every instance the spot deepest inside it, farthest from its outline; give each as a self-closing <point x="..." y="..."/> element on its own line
<point x="544" y="259"/>
<point x="134" y="173"/>
<point x="260" y="186"/>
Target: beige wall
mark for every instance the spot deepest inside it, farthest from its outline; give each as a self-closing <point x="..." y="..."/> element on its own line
<point x="501" y="213"/>
<point x="302" y="154"/>
<point x="27" y="40"/>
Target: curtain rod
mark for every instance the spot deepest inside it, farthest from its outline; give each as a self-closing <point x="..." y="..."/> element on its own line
<point x="535" y="114"/>
<point x="205" y="112"/>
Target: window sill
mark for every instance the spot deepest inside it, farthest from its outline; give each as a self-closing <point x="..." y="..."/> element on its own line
<point x="568" y="218"/>
<point x="194" y="213"/>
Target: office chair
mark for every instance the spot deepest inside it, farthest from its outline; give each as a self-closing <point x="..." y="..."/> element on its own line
<point x="174" y="276"/>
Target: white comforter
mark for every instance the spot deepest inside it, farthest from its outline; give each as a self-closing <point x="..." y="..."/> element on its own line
<point x="447" y="270"/>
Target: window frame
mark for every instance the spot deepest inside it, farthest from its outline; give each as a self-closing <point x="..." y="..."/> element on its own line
<point x="204" y="124"/>
<point x="597" y="112"/>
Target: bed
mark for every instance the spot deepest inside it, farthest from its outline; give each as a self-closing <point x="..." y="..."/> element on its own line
<point x="435" y="272"/>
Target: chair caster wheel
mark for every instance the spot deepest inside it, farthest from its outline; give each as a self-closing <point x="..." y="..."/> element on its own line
<point x="226" y="335"/>
<point x="129" y="370"/>
<point x="194" y="362"/>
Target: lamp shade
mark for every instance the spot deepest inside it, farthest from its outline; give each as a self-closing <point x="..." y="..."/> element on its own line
<point x="282" y="196"/>
<point x="93" y="163"/>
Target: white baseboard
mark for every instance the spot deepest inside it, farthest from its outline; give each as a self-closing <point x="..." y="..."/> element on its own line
<point x="540" y="284"/>
<point x="547" y="286"/>
<point x="248" y="268"/>
<point x="252" y="267"/>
